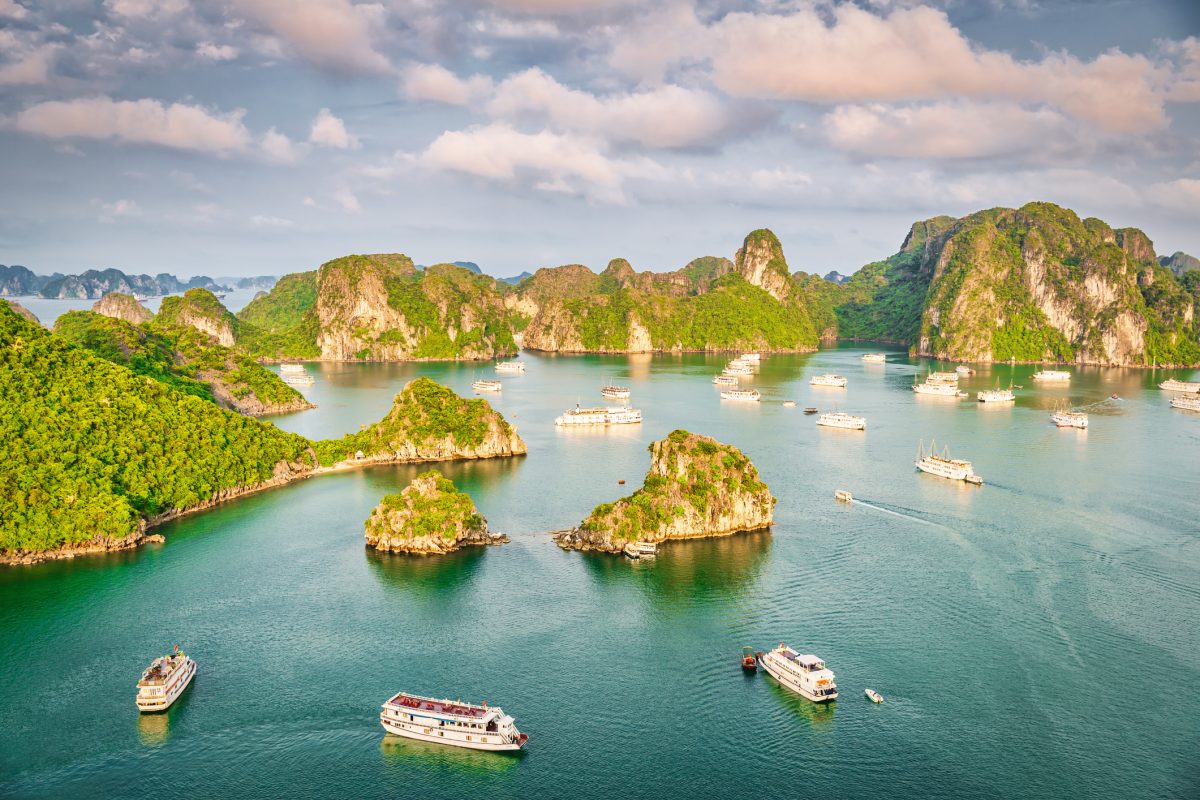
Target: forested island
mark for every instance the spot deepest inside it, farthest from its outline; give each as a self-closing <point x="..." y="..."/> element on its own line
<point x="95" y="452"/>
<point x="429" y="516"/>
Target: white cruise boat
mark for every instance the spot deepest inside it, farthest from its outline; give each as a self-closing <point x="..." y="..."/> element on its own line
<point x="963" y="369"/>
<point x="640" y="549"/>
<point x="726" y="380"/>
<point x="939" y="389"/>
<point x="1052" y="375"/>
<point x="610" y="392"/>
<point x="510" y="366"/>
<point x="487" y="386"/>
<point x="943" y="466"/>
<point x="840" y="419"/>
<point x="163" y="681"/>
<point x="875" y="358"/>
<point x="1186" y="403"/>
<point x="1070" y="419"/>
<point x="1173" y="385"/>
<point x="804" y="674"/>
<point x="996" y="396"/>
<point x="599" y="416"/>
<point x="737" y="369"/>
<point x="749" y="395"/>
<point x="750" y="358"/>
<point x="950" y="378"/>
<point x="828" y="379"/>
<point x="450" y="722"/>
<point x="303" y="379"/>
<point x="291" y="369"/>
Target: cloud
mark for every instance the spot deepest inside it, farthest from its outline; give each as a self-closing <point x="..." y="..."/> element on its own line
<point x="1181" y="195"/>
<point x="13" y="10"/>
<point x="145" y="8"/>
<point x="329" y="131"/>
<point x="552" y="162"/>
<point x="846" y="54"/>
<point x="31" y="67"/>
<point x="215" y="52"/>
<point x="667" y="35"/>
<point x="1185" y="87"/>
<point x="953" y="131"/>
<point x="667" y="116"/>
<point x="346" y="199"/>
<point x="110" y="212"/>
<point x="436" y="83"/>
<point x="279" y="148"/>
<point x="260" y="221"/>
<point x="178" y="126"/>
<point x="329" y="34"/>
<point x="564" y="7"/>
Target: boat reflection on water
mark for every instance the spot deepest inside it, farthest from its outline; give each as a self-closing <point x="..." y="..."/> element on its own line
<point x="687" y="569"/>
<point x="155" y="729"/>
<point x="409" y="755"/>
<point x="431" y="577"/>
<point x="819" y="715"/>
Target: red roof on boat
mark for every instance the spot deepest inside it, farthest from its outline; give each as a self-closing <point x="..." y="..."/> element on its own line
<point x="418" y="703"/>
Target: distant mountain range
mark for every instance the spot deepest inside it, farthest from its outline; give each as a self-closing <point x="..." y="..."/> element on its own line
<point x="19" y="281"/>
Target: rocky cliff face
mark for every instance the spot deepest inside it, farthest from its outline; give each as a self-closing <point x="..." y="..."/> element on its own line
<point x="122" y="306"/>
<point x="94" y="284"/>
<point x="696" y="487"/>
<point x="200" y="309"/>
<point x="429" y="516"/>
<point x="17" y="280"/>
<point x="1180" y="262"/>
<point x="23" y="311"/>
<point x="428" y="422"/>
<point x="760" y="261"/>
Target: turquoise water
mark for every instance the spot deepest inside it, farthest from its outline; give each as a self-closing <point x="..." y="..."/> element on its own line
<point x="1036" y="637"/>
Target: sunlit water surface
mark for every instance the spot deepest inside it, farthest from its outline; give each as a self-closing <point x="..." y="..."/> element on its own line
<point x="1036" y="637"/>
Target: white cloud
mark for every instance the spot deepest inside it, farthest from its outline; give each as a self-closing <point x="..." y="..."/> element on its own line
<point x="436" y="83"/>
<point x="346" y="199"/>
<point x="215" y="52"/>
<point x="30" y="67"/>
<point x="13" y="9"/>
<point x="553" y="162"/>
<point x="308" y="201"/>
<point x="847" y="54"/>
<point x="667" y="116"/>
<point x="668" y="34"/>
<point x="179" y="126"/>
<point x="279" y="148"/>
<point x="110" y="212"/>
<point x="565" y="7"/>
<point x="329" y="131"/>
<point x="1181" y="195"/>
<point x="145" y="8"/>
<point x="953" y="131"/>
<point x="260" y="221"/>
<point x="330" y="34"/>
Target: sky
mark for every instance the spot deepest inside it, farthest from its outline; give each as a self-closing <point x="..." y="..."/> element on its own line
<point x="244" y="137"/>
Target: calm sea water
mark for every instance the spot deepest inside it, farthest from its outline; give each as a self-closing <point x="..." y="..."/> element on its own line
<point x="1036" y="637"/>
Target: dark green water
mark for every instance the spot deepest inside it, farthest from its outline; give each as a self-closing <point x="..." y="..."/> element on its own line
<point x="1036" y="637"/>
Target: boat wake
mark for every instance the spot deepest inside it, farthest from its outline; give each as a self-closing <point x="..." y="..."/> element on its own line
<point x="907" y="513"/>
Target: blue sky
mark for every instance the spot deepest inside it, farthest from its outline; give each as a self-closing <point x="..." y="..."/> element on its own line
<point x="263" y="136"/>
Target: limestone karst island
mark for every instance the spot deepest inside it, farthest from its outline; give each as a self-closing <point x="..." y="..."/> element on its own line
<point x="589" y="398"/>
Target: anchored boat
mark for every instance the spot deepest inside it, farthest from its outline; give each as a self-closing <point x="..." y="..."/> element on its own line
<point x="804" y="674"/>
<point x="599" y="416"/>
<point x="487" y="386"/>
<point x="828" y="379"/>
<point x="996" y="396"/>
<point x="1173" y="385"/>
<point x="1052" y="375"/>
<point x="164" y="680"/>
<point x="510" y="366"/>
<point x="873" y="696"/>
<point x="875" y="358"/>
<point x="640" y="549"/>
<point x="749" y="662"/>
<point x="1186" y="403"/>
<point x="451" y="722"/>
<point x="610" y="392"/>
<point x="1070" y="419"/>
<point x="746" y="395"/>
<point x="840" y="419"/>
<point x="943" y="466"/>
<point x="734" y="368"/>
<point x="726" y="380"/>
<point x="938" y="389"/>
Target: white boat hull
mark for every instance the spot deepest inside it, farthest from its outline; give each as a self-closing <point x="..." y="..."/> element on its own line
<point x="424" y="733"/>
<point x="789" y="681"/>
<point x="151" y="705"/>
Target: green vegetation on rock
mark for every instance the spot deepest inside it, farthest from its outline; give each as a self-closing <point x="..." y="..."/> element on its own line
<point x="283" y="323"/>
<point x="430" y="506"/>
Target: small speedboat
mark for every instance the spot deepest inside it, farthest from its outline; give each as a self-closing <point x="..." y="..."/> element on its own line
<point x="843" y="496"/>
<point x="810" y="410"/>
<point x="749" y="662"/>
<point x="789" y="403"/>
<point x="873" y="696"/>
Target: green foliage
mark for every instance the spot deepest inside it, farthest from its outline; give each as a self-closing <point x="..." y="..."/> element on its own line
<point x="883" y="301"/>
<point x="436" y="513"/>
<point x="89" y="447"/>
<point x="424" y="412"/>
<point x="283" y="323"/>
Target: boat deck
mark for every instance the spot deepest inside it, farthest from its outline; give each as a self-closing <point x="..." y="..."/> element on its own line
<point x="418" y="703"/>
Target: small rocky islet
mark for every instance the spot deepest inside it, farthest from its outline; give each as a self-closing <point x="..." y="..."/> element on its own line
<point x="695" y="487"/>
<point x="429" y="516"/>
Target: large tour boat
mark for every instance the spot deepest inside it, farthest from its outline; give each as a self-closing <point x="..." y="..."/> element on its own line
<point x="599" y="416"/>
<point x="451" y="722"/>
<point x="950" y="378"/>
<point x="875" y="358"/>
<point x="840" y="419"/>
<point x="297" y="379"/>
<point x="726" y="380"/>
<point x="996" y="396"/>
<point x="1186" y="403"/>
<point x="748" y="395"/>
<point x="750" y="358"/>
<point x="1052" y="375"/>
<point x="943" y="466"/>
<point x="733" y="368"/>
<point x="164" y="680"/>
<point x="828" y="379"/>
<point x="1069" y="419"/>
<point x="1173" y="385"/>
<point x="291" y="369"/>
<point x="487" y="386"/>
<point x="510" y="366"/>
<point x="804" y="674"/>
<point x="611" y="392"/>
<point x="938" y="389"/>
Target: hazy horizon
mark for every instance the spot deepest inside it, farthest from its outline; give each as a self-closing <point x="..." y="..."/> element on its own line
<point x="260" y="138"/>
